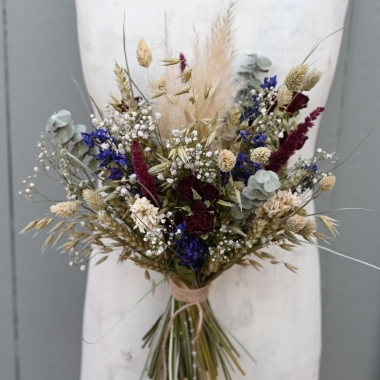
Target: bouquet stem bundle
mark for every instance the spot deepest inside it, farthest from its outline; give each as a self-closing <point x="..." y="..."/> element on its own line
<point x="187" y="341"/>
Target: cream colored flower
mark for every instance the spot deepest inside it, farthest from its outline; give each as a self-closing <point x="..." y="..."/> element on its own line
<point x="144" y="214"/>
<point x="65" y="209"/>
<point x="94" y="200"/>
<point x="144" y="55"/>
<point x="296" y="223"/>
<point x="296" y="77"/>
<point x="260" y="155"/>
<point x="281" y="203"/>
<point x="226" y="160"/>
<point x="327" y="183"/>
<point x="310" y="227"/>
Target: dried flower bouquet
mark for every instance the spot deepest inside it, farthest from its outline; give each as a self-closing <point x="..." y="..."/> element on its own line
<point x="189" y="182"/>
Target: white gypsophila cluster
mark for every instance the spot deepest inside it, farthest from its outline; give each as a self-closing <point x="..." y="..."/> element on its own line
<point x="144" y="214"/>
<point x="126" y="185"/>
<point x="196" y="158"/>
<point x="128" y="126"/>
<point x="156" y="241"/>
<point x="161" y="238"/>
<point x="56" y="159"/>
<point x="225" y="244"/>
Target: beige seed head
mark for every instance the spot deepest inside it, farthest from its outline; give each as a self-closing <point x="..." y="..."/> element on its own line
<point x="226" y="160"/>
<point x="94" y="200"/>
<point x="296" y="223"/>
<point x="284" y="96"/>
<point x="144" y="55"/>
<point x="309" y="228"/>
<point x="260" y="155"/>
<point x="327" y="183"/>
<point x="311" y="80"/>
<point x="296" y="77"/>
<point x="239" y="185"/>
<point x="65" y="209"/>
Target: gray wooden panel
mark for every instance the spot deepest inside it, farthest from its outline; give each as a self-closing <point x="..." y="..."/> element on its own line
<point x="43" y="55"/>
<point x="8" y="348"/>
<point x="351" y="292"/>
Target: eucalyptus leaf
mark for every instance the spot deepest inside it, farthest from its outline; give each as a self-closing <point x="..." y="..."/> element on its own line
<point x="261" y="60"/>
<point x="79" y="129"/>
<point x="255" y="82"/>
<point x="79" y="149"/>
<point x="262" y="176"/>
<point x="236" y="213"/>
<point x="272" y="184"/>
<point x="61" y="118"/>
<point x="93" y="165"/>
<point x="250" y="68"/>
<point x="64" y="134"/>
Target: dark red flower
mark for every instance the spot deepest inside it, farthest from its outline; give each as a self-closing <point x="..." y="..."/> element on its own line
<point x="210" y="193"/>
<point x="197" y="205"/>
<point x="148" y="188"/>
<point x="298" y="102"/>
<point x="186" y="185"/>
<point x="200" y="223"/>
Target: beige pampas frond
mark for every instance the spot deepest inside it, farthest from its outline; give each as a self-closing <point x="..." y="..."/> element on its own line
<point x="296" y="77"/>
<point x="212" y="80"/>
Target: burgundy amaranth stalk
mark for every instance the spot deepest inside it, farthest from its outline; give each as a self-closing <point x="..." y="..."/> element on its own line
<point x="295" y="141"/>
<point x="142" y="172"/>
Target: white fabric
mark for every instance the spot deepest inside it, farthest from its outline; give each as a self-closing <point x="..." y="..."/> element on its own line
<point x="276" y="314"/>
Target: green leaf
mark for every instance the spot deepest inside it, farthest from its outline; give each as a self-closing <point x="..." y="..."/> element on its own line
<point x="196" y="195"/>
<point x="79" y="149"/>
<point x="224" y="203"/>
<point x="237" y="230"/>
<point x="79" y="129"/>
<point x="261" y="60"/>
<point x="187" y="273"/>
<point x="64" y="134"/>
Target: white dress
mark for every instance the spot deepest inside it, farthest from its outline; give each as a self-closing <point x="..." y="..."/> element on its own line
<point x="275" y="314"/>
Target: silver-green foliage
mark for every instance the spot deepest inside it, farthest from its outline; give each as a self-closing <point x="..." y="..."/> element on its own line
<point x="260" y="187"/>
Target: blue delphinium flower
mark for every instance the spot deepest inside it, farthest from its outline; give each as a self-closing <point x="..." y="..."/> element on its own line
<point x="116" y="174"/>
<point x="88" y="139"/>
<point x="190" y="249"/>
<point x="258" y="140"/>
<point x="269" y="82"/>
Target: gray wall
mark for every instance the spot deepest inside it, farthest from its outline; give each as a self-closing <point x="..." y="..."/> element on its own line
<point x="351" y="292"/>
<point x="41" y="297"/>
